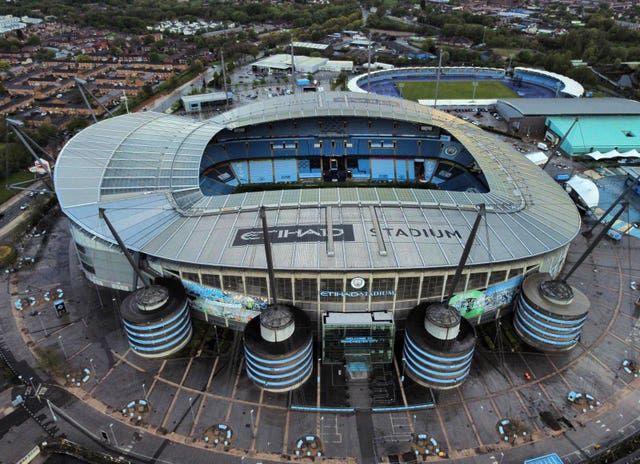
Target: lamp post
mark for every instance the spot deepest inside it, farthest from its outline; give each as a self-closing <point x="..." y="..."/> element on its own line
<point x="53" y="416"/>
<point x="32" y="385"/>
<point x="44" y="329"/>
<point x="193" y="417"/>
<point x="62" y="346"/>
<point x="404" y="361"/>
<point x="93" y="369"/>
<point x="253" y="431"/>
<point x="115" y="441"/>
<point x="321" y="427"/>
<point x="501" y="457"/>
<point x="144" y="392"/>
<point x="475" y="86"/>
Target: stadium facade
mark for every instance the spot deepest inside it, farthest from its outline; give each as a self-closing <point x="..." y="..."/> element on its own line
<point x="369" y="201"/>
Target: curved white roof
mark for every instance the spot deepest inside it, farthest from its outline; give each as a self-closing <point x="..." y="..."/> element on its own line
<point x="586" y="189"/>
<point x="570" y="87"/>
<point x="143" y="169"/>
<point x="596" y="155"/>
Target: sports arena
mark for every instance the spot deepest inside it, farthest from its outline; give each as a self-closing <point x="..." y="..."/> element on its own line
<point x="369" y="202"/>
<point x="525" y="82"/>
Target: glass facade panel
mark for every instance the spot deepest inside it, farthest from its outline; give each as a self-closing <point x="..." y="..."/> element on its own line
<point x="284" y="289"/>
<point x="432" y="287"/>
<point x="477" y="280"/>
<point x="515" y="272"/>
<point x="306" y="290"/>
<point x="368" y="343"/>
<point x="383" y="289"/>
<point x="192" y="276"/>
<point x="460" y="285"/>
<point x="497" y="276"/>
<point x="211" y="280"/>
<point x="256" y="286"/>
<point x="408" y="288"/>
<point x="331" y="289"/>
<point x="233" y="283"/>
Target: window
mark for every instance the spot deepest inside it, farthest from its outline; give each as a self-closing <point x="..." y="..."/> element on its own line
<point x="459" y="286"/>
<point x="331" y="289"/>
<point x="383" y="289"/>
<point x="477" y="280"/>
<point x="306" y="289"/>
<point x="87" y="267"/>
<point x="408" y="288"/>
<point x="432" y="286"/>
<point x="284" y="290"/>
<point x="497" y="276"/>
<point x="515" y="272"/>
<point x="192" y="276"/>
<point x="256" y="286"/>
<point x="233" y="283"/>
<point x="211" y="280"/>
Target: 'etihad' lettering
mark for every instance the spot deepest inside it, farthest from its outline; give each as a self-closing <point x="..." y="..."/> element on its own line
<point x="292" y="234"/>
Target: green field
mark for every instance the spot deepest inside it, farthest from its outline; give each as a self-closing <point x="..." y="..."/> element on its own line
<point x="454" y="90"/>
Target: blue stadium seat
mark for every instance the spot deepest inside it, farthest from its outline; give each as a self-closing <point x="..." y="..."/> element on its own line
<point x="260" y="171"/>
<point x="285" y="170"/>
<point x="241" y="171"/>
<point x="382" y="169"/>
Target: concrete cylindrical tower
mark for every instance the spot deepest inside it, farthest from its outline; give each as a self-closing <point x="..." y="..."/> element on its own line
<point x="550" y="314"/>
<point x="278" y="348"/>
<point x="157" y="320"/>
<point x="438" y="346"/>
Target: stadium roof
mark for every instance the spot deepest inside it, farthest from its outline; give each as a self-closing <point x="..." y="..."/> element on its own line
<point x="569" y="87"/>
<point x="522" y="107"/>
<point x="143" y="168"/>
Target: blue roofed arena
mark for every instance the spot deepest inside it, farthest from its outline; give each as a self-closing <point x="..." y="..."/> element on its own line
<point x="369" y="202"/>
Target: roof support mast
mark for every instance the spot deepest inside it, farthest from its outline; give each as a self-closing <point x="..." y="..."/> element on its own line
<point x="466" y="251"/>
<point x="561" y="141"/>
<point x="103" y="215"/>
<point x="267" y="251"/>
<point x="82" y="86"/>
<point x="595" y="242"/>
<point x="29" y="144"/>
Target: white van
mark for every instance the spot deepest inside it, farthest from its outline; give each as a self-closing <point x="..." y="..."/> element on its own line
<point x="542" y="146"/>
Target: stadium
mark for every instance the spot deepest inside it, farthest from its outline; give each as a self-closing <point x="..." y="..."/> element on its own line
<point x="369" y="201"/>
<point x="524" y="83"/>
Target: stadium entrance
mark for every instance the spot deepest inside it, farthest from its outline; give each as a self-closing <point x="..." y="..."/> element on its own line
<point x="358" y="340"/>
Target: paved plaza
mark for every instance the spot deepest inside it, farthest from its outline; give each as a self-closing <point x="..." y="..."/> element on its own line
<point x="191" y="394"/>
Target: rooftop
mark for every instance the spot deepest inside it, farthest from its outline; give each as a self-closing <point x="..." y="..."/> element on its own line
<point x="144" y="169"/>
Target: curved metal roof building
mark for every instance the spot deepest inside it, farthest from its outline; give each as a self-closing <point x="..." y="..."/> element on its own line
<point x="145" y="170"/>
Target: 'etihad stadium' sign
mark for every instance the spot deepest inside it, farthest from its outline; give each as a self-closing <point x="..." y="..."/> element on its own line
<point x="295" y="234"/>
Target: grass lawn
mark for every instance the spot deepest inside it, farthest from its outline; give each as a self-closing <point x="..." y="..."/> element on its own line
<point x="452" y="90"/>
<point x="20" y="176"/>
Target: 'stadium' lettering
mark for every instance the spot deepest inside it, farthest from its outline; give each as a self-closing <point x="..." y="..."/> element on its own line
<point x="417" y="233"/>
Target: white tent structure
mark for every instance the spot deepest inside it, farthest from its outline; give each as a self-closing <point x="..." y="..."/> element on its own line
<point x="583" y="191"/>
<point x="596" y="155"/>
<point x="538" y="158"/>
